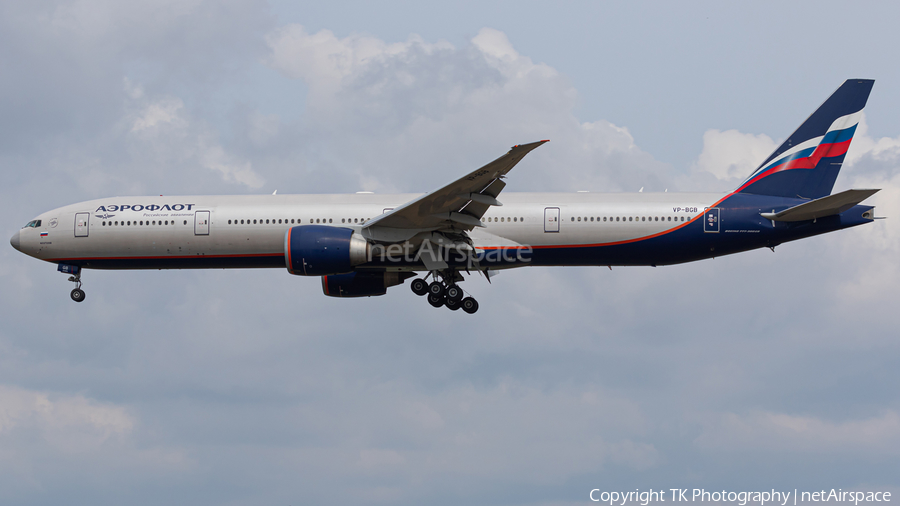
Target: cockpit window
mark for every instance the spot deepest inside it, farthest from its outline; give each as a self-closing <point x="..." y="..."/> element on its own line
<point x="33" y="224"/>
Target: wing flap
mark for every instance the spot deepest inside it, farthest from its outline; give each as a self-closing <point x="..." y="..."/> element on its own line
<point x="822" y="207"/>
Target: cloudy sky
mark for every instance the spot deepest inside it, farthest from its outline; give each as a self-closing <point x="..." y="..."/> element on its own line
<point x="757" y="371"/>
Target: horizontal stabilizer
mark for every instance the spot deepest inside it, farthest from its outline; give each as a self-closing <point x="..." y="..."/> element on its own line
<point x="819" y="208"/>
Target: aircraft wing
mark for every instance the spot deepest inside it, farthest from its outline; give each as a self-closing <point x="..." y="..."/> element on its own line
<point x="458" y="206"/>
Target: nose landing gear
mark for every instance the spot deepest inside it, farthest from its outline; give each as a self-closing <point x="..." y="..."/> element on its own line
<point x="77" y="293"/>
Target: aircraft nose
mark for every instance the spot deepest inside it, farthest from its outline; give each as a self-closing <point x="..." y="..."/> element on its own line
<point x="15" y="240"/>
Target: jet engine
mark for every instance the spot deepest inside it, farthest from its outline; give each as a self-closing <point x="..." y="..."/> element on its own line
<point x="315" y="250"/>
<point x="362" y="284"/>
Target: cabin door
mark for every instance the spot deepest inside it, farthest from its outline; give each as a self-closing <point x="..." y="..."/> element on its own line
<point x="82" y="222"/>
<point x="551" y="219"/>
<point x="201" y="223"/>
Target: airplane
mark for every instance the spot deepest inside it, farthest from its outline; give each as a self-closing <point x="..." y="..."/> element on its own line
<point x="362" y="244"/>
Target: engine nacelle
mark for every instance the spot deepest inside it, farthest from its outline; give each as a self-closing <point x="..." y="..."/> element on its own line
<point x="362" y="284"/>
<point x="316" y="250"/>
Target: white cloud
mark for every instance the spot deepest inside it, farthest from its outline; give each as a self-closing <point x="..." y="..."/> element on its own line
<point x="165" y="112"/>
<point x="731" y="155"/>
<point x="164" y="127"/>
<point x="415" y="112"/>
<point x="69" y="422"/>
<point x="785" y="433"/>
<point x="47" y="439"/>
<point x="863" y="146"/>
<point x="325" y="63"/>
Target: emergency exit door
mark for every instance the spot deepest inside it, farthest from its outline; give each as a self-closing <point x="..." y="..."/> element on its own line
<point x="551" y="219"/>
<point x="201" y="223"/>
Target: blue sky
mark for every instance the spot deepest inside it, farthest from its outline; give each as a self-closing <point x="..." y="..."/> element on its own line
<point x="756" y="371"/>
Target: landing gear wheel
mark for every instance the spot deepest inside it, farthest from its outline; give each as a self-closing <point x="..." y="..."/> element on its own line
<point x="419" y="286"/>
<point x="469" y="305"/>
<point x="435" y="300"/>
<point x="454" y="293"/>
<point x="452" y="304"/>
<point x="436" y="289"/>
<point x="77" y="294"/>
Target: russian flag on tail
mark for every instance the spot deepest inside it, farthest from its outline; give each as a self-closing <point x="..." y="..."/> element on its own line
<point x="807" y="164"/>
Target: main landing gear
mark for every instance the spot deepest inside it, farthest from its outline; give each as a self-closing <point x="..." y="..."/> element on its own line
<point x="444" y="292"/>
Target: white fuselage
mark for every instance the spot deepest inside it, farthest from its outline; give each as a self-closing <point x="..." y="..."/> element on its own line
<point x="249" y="231"/>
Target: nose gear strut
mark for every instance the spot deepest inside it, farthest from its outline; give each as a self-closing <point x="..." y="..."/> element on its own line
<point x="77" y="293"/>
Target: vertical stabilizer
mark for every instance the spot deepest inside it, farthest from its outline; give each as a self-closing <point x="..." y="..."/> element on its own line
<point x="807" y="164"/>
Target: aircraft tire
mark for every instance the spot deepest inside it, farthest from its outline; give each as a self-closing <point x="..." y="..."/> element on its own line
<point x="419" y="286"/>
<point x="452" y="304"/>
<point x="454" y="293"/>
<point x="435" y="300"/>
<point x="469" y="305"/>
<point x="77" y="294"/>
<point x="436" y="288"/>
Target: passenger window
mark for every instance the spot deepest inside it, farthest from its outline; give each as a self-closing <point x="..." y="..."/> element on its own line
<point x="515" y="219"/>
<point x="329" y="220"/>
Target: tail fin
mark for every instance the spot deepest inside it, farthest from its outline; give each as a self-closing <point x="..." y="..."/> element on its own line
<point x="808" y="162"/>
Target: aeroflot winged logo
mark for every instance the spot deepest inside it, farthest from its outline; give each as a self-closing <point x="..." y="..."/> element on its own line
<point x="149" y="207"/>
